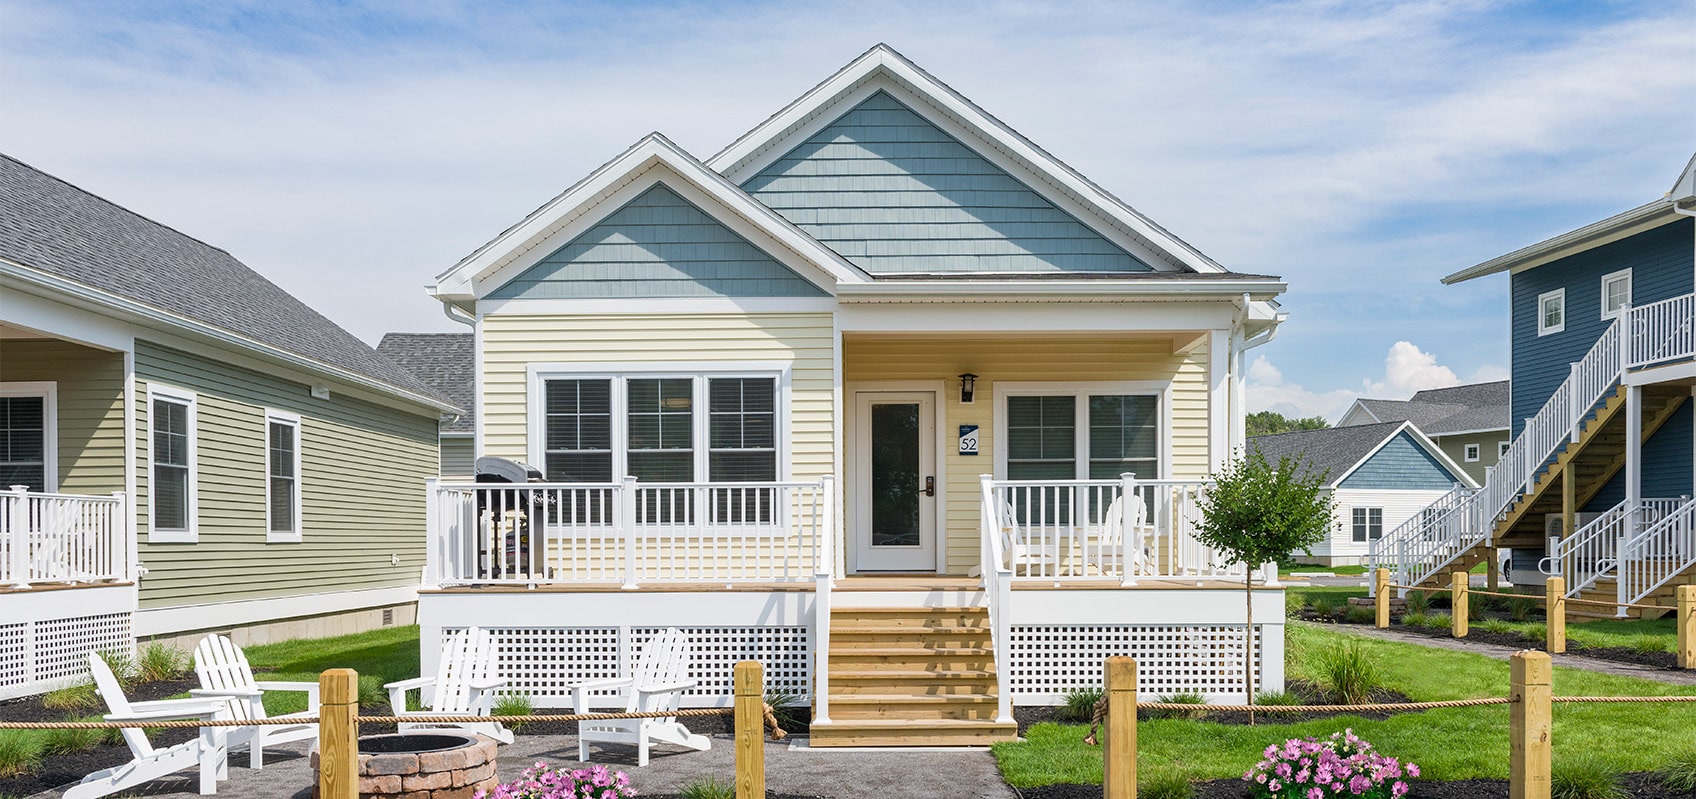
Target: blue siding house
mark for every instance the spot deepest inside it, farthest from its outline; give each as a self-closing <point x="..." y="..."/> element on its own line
<point x="1598" y="481"/>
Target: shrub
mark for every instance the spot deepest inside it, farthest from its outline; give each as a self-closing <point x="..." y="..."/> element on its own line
<point x="1346" y="672"/>
<point x="786" y="708"/>
<point x="1418" y="602"/>
<point x="1520" y="608"/>
<point x="1325" y="606"/>
<point x="1357" y="614"/>
<point x="513" y="704"/>
<point x="20" y="753"/>
<point x="1164" y="783"/>
<point x="1277" y="698"/>
<point x="75" y="697"/>
<point x="1413" y="619"/>
<point x="542" y="781"/>
<point x="1189" y="699"/>
<point x="1342" y="765"/>
<point x="1437" y="621"/>
<point x="1080" y="705"/>
<point x="372" y="693"/>
<point x="1499" y="626"/>
<point x="1679" y="774"/>
<point x="1476" y="607"/>
<point x="122" y="666"/>
<point x="67" y="742"/>
<point x="160" y="663"/>
<point x="1294" y="603"/>
<point x="708" y="787"/>
<point x="1648" y="644"/>
<point x="1584" y="776"/>
<point x="1536" y="632"/>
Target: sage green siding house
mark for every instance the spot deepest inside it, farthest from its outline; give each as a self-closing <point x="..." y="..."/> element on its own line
<point x="446" y="362"/>
<point x="187" y="447"/>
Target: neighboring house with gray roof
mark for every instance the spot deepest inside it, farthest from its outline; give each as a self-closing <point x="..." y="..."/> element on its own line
<point x="1380" y="475"/>
<point x="195" y="449"/>
<point x="447" y="362"/>
<point x="1471" y="423"/>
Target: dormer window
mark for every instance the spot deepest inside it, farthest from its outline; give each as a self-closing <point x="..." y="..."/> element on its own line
<point x="1551" y="312"/>
<point x="1616" y="292"/>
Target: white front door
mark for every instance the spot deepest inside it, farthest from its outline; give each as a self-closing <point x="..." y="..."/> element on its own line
<point x="894" y="489"/>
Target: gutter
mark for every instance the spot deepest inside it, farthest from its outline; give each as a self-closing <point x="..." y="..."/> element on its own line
<point x="1549" y="249"/>
<point x="1083" y="290"/>
<point x="149" y="313"/>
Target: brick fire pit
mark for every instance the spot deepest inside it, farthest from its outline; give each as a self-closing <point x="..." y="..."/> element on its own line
<point x="438" y="764"/>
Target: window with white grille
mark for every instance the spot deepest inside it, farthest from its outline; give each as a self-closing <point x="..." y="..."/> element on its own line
<point x="282" y="466"/>
<point x="28" y="433"/>
<point x="1368" y="524"/>
<point x="172" y="486"/>
<point x="1616" y="292"/>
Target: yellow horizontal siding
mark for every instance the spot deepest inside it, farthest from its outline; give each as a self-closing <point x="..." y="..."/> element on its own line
<point x="511" y="343"/>
<point x="1062" y="360"/>
<point x="90" y="387"/>
<point x="363" y="469"/>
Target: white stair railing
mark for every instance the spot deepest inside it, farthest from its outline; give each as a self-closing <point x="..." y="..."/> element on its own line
<point x="1396" y="549"/>
<point x="1662" y="551"/>
<point x="998" y="591"/>
<point x="1591" y="552"/>
<point x="824" y="571"/>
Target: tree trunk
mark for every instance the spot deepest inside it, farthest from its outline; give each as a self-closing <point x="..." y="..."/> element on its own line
<point x="1248" y="644"/>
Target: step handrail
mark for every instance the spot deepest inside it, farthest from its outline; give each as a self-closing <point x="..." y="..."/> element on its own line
<point x="998" y="594"/>
<point x="1592" y="551"/>
<point x="1399" y="539"/>
<point x="1662" y="551"/>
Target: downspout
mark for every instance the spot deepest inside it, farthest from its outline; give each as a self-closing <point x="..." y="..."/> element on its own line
<point x="453" y="312"/>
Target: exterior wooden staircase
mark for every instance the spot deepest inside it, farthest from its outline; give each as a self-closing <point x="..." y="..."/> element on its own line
<point x="911" y="677"/>
<point x="1606" y="589"/>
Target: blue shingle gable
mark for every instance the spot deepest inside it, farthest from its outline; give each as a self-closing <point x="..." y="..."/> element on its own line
<point x="657" y="245"/>
<point x="1402" y="464"/>
<point x="894" y="193"/>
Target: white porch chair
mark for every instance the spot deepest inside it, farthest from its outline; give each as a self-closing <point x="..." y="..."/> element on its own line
<point x="224" y="674"/>
<point x="207" y="751"/>
<point x="1116" y="527"/>
<point x="464" y="684"/>
<point x="656" y="684"/>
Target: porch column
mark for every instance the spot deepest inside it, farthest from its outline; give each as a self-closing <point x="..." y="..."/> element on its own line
<point x="1633" y="455"/>
<point x="1218" y="415"/>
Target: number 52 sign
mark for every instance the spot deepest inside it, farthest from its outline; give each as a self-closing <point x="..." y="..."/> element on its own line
<point x="968" y="439"/>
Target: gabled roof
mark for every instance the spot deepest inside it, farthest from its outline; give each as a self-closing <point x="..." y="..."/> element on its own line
<point x="1336" y="452"/>
<point x="60" y="237"/>
<point x="1648" y="216"/>
<point x="446" y="362"/>
<point x="516" y="245"/>
<point x="881" y="67"/>
<point x="1445" y="411"/>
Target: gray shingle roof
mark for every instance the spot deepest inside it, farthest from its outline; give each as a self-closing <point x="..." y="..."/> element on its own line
<point x="447" y="362"/>
<point x="1440" y="411"/>
<point x="1331" y="451"/>
<point x="51" y="226"/>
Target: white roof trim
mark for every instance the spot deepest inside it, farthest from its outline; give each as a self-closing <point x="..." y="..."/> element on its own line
<point x="458" y="283"/>
<point x="1614" y="228"/>
<point x="1090" y="290"/>
<point x="758" y="147"/>
<point x="1419" y="438"/>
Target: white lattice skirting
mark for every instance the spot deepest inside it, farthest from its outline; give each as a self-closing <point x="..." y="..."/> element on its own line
<point x="1044" y="662"/>
<point x="39" y="656"/>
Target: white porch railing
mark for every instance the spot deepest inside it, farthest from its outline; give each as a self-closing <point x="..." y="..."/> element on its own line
<point x="998" y="592"/>
<point x="1592" y="550"/>
<point x="1661" y="332"/>
<point x="1071" y="530"/>
<point x="62" y="538"/>
<point x="1660" y="552"/>
<point x="628" y="533"/>
<point x="1428" y="539"/>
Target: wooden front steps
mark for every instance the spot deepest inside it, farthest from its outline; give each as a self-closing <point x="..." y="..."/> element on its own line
<point x="1606" y="589"/>
<point x="911" y="677"/>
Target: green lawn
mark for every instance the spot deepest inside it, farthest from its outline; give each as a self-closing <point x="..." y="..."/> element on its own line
<point x="1447" y="744"/>
<point x="1657" y="635"/>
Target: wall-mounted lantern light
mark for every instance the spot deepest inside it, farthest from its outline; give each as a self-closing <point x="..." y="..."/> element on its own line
<point x="968" y="383"/>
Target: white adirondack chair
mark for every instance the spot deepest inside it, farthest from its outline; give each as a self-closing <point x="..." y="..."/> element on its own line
<point x="657" y="684"/>
<point x="207" y="752"/>
<point x="224" y="674"/>
<point x="464" y="684"/>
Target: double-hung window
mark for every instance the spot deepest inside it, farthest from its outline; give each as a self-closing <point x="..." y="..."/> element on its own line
<point x="27" y="436"/>
<point x="1368" y="524"/>
<point x="1616" y="292"/>
<point x="172" y="485"/>
<point x="282" y="471"/>
<point x="1079" y="432"/>
<point x="1551" y="312"/>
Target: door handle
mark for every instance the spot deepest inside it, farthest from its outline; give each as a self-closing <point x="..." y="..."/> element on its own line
<point x="930" y="486"/>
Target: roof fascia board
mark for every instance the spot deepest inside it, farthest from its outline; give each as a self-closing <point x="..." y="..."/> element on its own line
<point x="1639" y="219"/>
<point x="1480" y="431"/>
<point x="762" y="145"/>
<point x="1083" y="290"/>
<point x="1360" y="406"/>
<point x="194" y="329"/>
<point x="585" y="195"/>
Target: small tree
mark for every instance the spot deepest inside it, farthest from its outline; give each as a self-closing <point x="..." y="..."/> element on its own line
<point x="1257" y="513"/>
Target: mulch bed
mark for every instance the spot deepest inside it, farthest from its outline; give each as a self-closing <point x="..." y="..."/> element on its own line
<point x="1638" y="785"/>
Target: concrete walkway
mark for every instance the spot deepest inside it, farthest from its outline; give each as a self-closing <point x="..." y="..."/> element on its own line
<point x="1687" y="677"/>
<point x="790" y="769"/>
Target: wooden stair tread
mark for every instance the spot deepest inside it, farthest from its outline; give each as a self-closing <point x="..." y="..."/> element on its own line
<point x="912" y="651"/>
<point x="911" y="674"/>
<point x="909" y="699"/>
<point x="907" y="611"/>
<point x="873" y="724"/>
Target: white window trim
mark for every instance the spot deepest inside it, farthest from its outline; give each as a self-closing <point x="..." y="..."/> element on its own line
<point x="192" y="400"/>
<point x="1367" y="524"/>
<point x="292" y="420"/>
<point x="1472" y="452"/>
<point x="1502" y="448"/>
<point x="1559" y="294"/>
<point x="48" y="391"/>
<point x="1081" y="392"/>
<point x="699" y="371"/>
<point x="1624" y="274"/>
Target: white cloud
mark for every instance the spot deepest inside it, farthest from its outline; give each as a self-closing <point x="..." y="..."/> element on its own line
<point x="1407" y="369"/>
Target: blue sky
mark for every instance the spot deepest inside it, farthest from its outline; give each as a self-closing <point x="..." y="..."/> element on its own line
<point x="1362" y="150"/>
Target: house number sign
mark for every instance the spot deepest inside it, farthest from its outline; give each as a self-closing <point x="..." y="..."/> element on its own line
<point x="968" y="439"/>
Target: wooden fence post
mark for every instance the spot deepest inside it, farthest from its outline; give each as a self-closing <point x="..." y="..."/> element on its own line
<point x="1687" y="626"/>
<point x="1530" y="723"/>
<point x="1381" y="597"/>
<point x="338" y="734"/>
<point x="1458" y="603"/>
<point x="1555" y="622"/>
<point x="750" y="740"/>
<point x="1120" y="747"/>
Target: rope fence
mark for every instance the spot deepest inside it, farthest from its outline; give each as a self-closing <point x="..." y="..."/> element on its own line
<point x="773" y="729"/>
